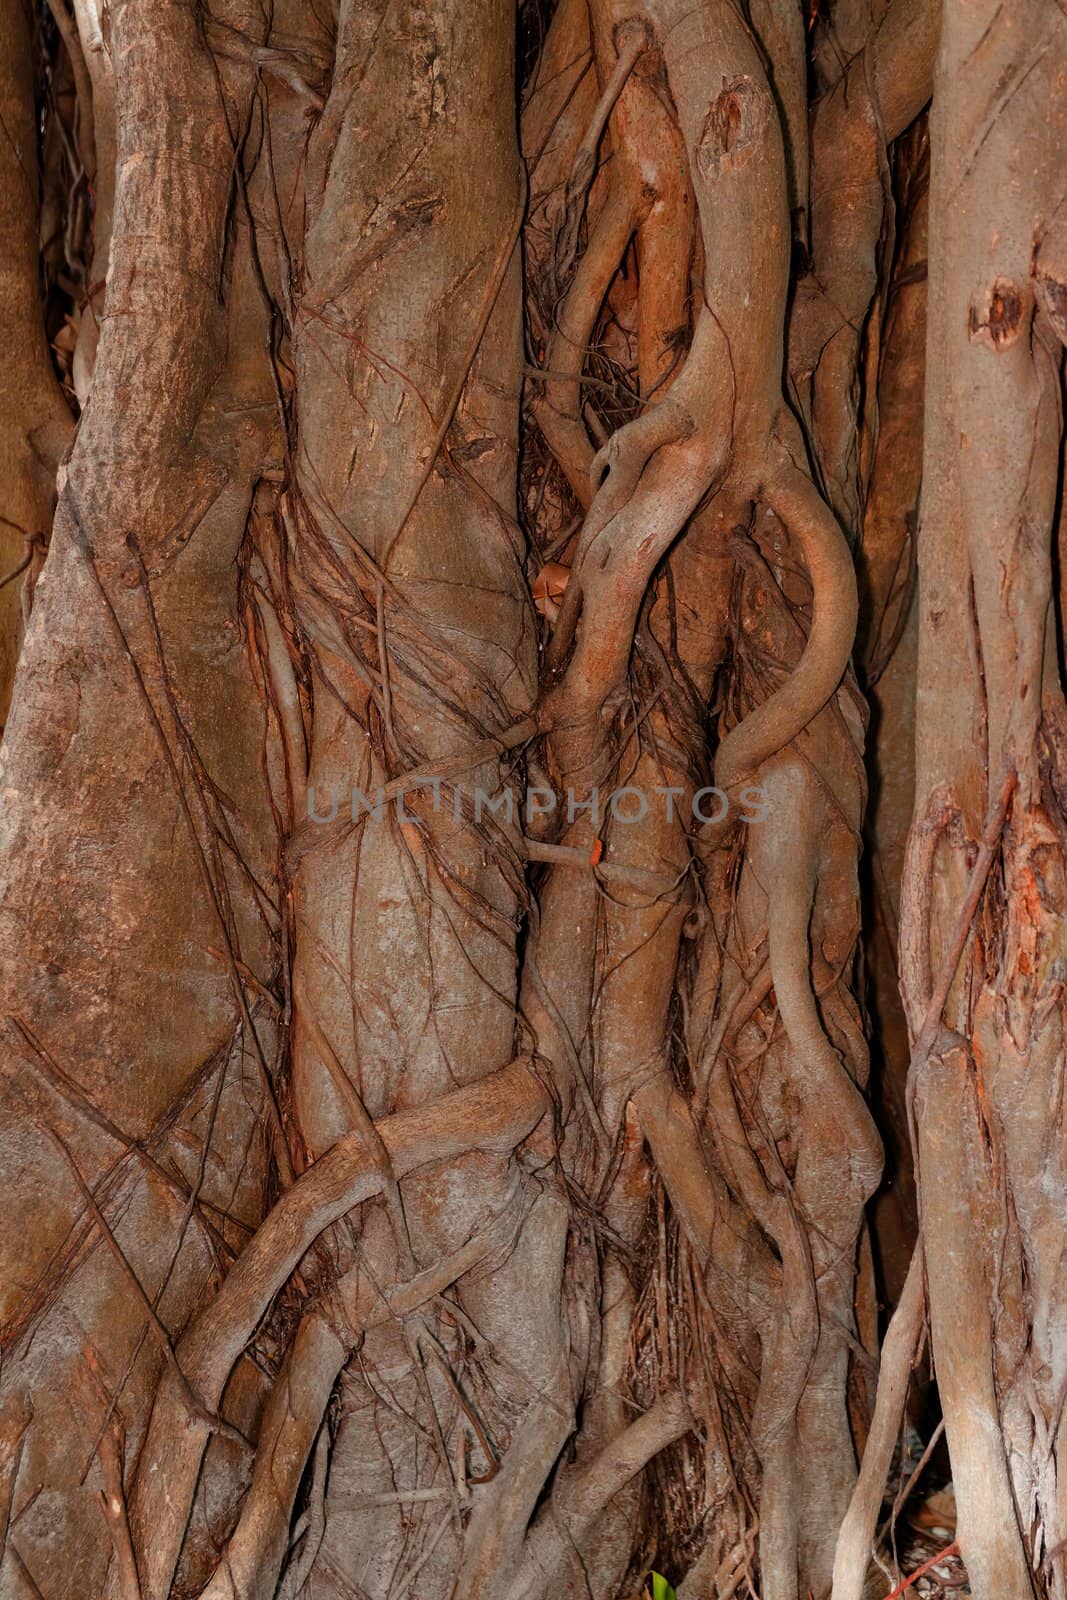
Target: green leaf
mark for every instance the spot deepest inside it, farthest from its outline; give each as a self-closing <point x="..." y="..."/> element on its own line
<point x="661" y="1589"/>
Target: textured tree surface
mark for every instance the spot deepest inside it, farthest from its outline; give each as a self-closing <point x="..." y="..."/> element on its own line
<point x="532" y="858"/>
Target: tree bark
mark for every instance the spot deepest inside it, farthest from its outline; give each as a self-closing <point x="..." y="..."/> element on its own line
<point x="437" y="1116"/>
<point x="35" y="424"/>
<point x="982" y="903"/>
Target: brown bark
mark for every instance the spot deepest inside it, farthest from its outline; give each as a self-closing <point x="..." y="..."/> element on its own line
<point x="418" y="1191"/>
<point x="989" y="1181"/>
<point x="133" y="788"/>
<point x="873" y="99"/>
<point x="887" y="647"/>
<point x="35" y="425"/>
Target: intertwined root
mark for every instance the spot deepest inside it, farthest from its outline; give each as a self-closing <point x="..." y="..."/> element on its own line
<point x="745" y="1128"/>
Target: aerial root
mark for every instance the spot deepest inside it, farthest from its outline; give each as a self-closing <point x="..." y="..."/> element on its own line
<point x="496" y="1113"/>
<point x="856" y="1537"/>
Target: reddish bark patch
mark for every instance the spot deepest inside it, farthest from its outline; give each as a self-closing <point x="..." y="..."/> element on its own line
<point x="733" y="126"/>
<point x="997" y="315"/>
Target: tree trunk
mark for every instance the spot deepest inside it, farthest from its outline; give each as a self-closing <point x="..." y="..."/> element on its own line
<point x="983" y="920"/>
<point x="434" y="1100"/>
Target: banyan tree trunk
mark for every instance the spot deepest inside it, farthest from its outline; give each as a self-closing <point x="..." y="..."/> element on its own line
<point x="983" y="917"/>
<point x="982" y="899"/>
<point x="435" y="1118"/>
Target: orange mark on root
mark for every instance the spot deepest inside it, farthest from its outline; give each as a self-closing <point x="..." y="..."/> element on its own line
<point x="549" y="587"/>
